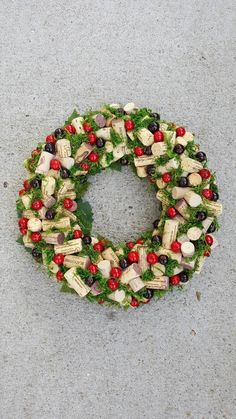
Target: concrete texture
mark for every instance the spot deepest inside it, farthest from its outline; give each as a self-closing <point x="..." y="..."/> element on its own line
<point x="65" y="358"/>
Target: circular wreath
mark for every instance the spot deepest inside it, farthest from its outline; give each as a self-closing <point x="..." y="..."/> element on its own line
<point x="55" y="223"/>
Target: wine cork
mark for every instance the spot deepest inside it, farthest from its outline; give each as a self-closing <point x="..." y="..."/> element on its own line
<point x="183" y="238"/>
<point x="182" y="208"/>
<point x="191" y="165"/>
<point x="118" y="126"/>
<point x="71" y="261"/>
<point x="187" y="265"/>
<point x="49" y="201"/>
<point x="133" y="271"/>
<point x="180" y="219"/>
<point x="118" y="296"/>
<point x="83" y="151"/>
<point x="161" y="196"/>
<point x="187" y="249"/>
<point x="26" y="200"/>
<point x="164" y="127"/>
<point x="158" y="269"/>
<point x="118" y="152"/>
<point x="179" y="193"/>
<point x="169" y="233"/>
<point x="72" y="246"/>
<point x="130" y="134"/>
<point x="109" y="120"/>
<point x="181" y="140"/>
<point x="214" y="207"/>
<point x="194" y="233"/>
<point x="119" y="252"/>
<point x="63" y="223"/>
<point x="44" y="162"/>
<point x="159" y="283"/>
<point x="143" y="264"/>
<point x="206" y="223"/>
<point x="78" y="124"/>
<point x="63" y="148"/>
<point x="161" y="184"/>
<point x="95" y="288"/>
<point x="27" y="240"/>
<point x="76" y="282"/>
<point x="54" y="238"/>
<point x="141" y="172"/>
<point x="34" y="224"/>
<point x="194" y="179"/>
<point x="109" y="147"/>
<point x="144" y="161"/>
<point x="53" y="173"/>
<point x="42" y="213"/>
<point x="100" y="120"/>
<point x="69" y="214"/>
<point x="28" y="214"/>
<point x="170" y="136"/>
<point x="48" y="186"/>
<point x="104" y="133"/>
<point x="68" y="194"/>
<point x="136" y="284"/>
<point x="172" y="164"/>
<point x="193" y="199"/>
<point x="67" y="162"/>
<point x="159" y="149"/>
<point x="145" y="136"/>
<point x="66" y="185"/>
<point x="105" y="267"/>
<point x="110" y="255"/>
<point x="129" y="108"/>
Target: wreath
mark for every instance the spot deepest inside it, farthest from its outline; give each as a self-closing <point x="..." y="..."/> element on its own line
<point x="56" y="224"/>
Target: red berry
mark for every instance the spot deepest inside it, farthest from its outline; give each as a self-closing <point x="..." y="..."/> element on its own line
<point x="166" y="177"/>
<point x="205" y="173"/>
<point x="93" y="157"/>
<point x="139" y="151"/>
<point x="85" y="167"/>
<point x="55" y="164"/>
<point x="68" y="203"/>
<point x="98" y="247"/>
<point x="113" y="284"/>
<point x="27" y="185"/>
<point x="129" y="125"/>
<point x="22" y="222"/>
<point x="140" y="241"/>
<point x="172" y="212"/>
<point x="175" y="280"/>
<point x="36" y="237"/>
<point x="152" y="258"/>
<point x="130" y="245"/>
<point x="158" y="136"/>
<point x="176" y="246"/>
<point x="101" y="301"/>
<point x="207" y="193"/>
<point x="21" y="192"/>
<point x="70" y="129"/>
<point x="77" y="234"/>
<point x="59" y="275"/>
<point x="133" y="256"/>
<point x="180" y="132"/>
<point x="87" y="127"/>
<point x="208" y="239"/>
<point x="50" y="139"/>
<point x="207" y="253"/>
<point x="93" y="268"/>
<point x="116" y="272"/>
<point x="134" y="302"/>
<point x="23" y="231"/>
<point x="92" y="138"/>
<point x="59" y="259"/>
<point x="37" y="204"/>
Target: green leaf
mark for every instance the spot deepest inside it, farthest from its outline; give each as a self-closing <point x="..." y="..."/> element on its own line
<point x="109" y="157"/>
<point x="84" y="214"/>
<point x="71" y="117"/>
<point x="65" y="288"/>
<point x="115" y="166"/>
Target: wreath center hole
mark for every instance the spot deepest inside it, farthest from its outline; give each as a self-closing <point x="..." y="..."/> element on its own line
<point x="124" y="206"/>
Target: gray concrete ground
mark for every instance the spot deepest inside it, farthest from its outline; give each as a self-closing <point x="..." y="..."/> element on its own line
<point x="65" y="358"/>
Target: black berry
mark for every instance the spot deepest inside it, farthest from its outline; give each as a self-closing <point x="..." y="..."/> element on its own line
<point x="124" y="263"/>
<point x="200" y="156"/>
<point x="155" y="115"/>
<point x="215" y="196"/>
<point x="153" y="127"/>
<point x="148" y="294"/>
<point x="156" y="222"/>
<point x="35" y="183"/>
<point x="120" y="111"/>
<point x="100" y="143"/>
<point x="50" y="214"/>
<point x="148" y="150"/>
<point x="150" y="170"/>
<point x="183" y="277"/>
<point x="36" y="253"/>
<point x="87" y="240"/>
<point x="156" y="239"/>
<point x="163" y="259"/>
<point x="212" y="228"/>
<point x="64" y="173"/>
<point x="50" y="148"/>
<point x="124" y="161"/>
<point x="183" y="182"/>
<point x="179" y="149"/>
<point x="201" y="215"/>
<point x="89" y="281"/>
<point x="59" y="133"/>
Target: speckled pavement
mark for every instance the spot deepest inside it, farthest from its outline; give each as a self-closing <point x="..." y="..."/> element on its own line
<point x="61" y="357"/>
